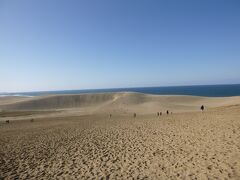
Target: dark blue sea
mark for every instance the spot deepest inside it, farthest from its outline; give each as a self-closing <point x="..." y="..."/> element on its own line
<point x="200" y="90"/>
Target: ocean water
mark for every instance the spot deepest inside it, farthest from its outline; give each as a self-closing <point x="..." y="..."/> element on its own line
<point x="203" y="90"/>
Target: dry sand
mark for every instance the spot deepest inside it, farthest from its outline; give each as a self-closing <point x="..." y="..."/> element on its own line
<point x="73" y="137"/>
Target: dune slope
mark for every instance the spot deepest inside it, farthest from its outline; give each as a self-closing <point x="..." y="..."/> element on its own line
<point x="120" y="102"/>
<point x="190" y="145"/>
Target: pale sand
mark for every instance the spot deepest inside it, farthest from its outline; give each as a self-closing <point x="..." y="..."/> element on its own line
<point x="81" y="141"/>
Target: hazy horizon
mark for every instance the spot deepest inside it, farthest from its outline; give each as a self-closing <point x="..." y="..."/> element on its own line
<point x="72" y="45"/>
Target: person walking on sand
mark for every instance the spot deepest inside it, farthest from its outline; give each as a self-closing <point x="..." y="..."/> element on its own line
<point x="167" y="112"/>
<point x="134" y="115"/>
<point x="202" y="108"/>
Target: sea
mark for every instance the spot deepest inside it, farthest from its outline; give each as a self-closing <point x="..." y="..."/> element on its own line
<point x="197" y="90"/>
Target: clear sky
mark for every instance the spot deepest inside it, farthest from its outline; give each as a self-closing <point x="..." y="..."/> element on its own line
<point x="57" y="45"/>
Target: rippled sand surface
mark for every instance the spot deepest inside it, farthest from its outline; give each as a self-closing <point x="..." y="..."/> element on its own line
<point x="190" y="145"/>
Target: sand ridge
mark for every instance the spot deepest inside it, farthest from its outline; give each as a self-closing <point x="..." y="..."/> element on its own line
<point x="117" y="102"/>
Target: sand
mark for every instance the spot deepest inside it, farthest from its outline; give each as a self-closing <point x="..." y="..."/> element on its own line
<point x="73" y="137"/>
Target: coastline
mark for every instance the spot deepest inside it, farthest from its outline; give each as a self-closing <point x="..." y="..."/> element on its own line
<point x="195" y="90"/>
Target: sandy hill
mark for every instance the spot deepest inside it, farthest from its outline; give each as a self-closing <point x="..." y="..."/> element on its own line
<point x="11" y="99"/>
<point x="118" y="102"/>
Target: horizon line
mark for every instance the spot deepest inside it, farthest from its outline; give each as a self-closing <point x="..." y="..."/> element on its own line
<point x="86" y="89"/>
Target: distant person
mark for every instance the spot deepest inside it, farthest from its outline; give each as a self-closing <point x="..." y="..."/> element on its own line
<point x="110" y="115"/>
<point x="167" y="112"/>
<point x="158" y="113"/>
<point x="134" y="115"/>
<point x="202" y="108"/>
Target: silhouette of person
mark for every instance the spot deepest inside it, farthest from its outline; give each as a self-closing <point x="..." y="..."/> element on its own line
<point x="167" y="112"/>
<point x="202" y="107"/>
<point x="134" y="115"/>
<point x="157" y="113"/>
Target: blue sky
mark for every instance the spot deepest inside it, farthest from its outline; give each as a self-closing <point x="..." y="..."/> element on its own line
<point x="81" y="44"/>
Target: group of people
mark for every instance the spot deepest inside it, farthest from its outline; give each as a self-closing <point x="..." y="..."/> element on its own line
<point x="160" y="113"/>
<point x="134" y="114"/>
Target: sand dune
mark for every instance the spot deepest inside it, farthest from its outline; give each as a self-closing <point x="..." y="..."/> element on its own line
<point x="81" y="141"/>
<point x="119" y="102"/>
<point x="190" y="145"/>
<point x="11" y="99"/>
<point x="60" y="101"/>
